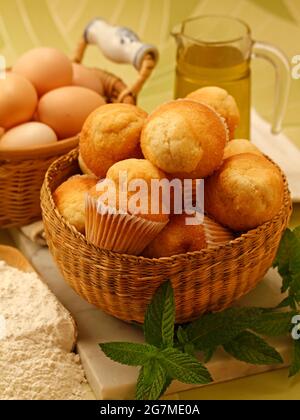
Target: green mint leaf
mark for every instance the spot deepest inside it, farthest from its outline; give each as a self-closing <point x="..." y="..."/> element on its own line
<point x="295" y="284"/>
<point x="288" y="301"/>
<point x="132" y="354"/>
<point x="189" y="348"/>
<point x="286" y="250"/>
<point x="296" y="232"/>
<point x="287" y="259"/>
<point x="215" y="329"/>
<point x="295" y="260"/>
<point x="184" y="344"/>
<point x="184" y="367"/>
<point x="151" y="381"/>
<point x="160" y="317"/>
<point x="167" y="383"/>
<point x="274" y="323"/>
<point x="285" y="302"/>
<point x="295" y="365"/>
<point x="250" y="348"/>
<point x="287" y="279"/>
<point x="208" y="354"/>
<point x="182" y="336"/>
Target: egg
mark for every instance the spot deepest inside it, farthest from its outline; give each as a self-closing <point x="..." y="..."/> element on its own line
<point x="18" y="100"/>
<point x="85" y="77"/>
<point x="28" y="135"/>
<point x="46" y="68"/>
<point x="65" y="109"/>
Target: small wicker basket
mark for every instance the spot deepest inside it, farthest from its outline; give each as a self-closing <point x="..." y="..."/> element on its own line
<point x="122" y="285"/>
<point x="22" y="171"/>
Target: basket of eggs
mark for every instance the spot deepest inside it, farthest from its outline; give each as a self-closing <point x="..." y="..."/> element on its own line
<point x="115" y="254"/>
<point x="44" y="100"/>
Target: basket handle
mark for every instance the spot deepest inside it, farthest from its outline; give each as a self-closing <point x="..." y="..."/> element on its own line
<point x="121" y="45"/>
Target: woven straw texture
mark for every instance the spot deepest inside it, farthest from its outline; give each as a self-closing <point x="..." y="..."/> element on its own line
<point x="22" y="171"/>
<point x="122" y="285"/>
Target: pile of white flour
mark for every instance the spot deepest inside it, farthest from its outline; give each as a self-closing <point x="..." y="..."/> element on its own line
<point x="36" y="338"/>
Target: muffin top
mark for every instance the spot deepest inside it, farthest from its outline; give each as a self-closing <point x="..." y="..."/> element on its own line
<point x="69" y="198"/>
<point x="110" y="133"/>
<point x="135" y="169"/>
<point x="245" y="192"/>
<point x="223" y="103"/>
<point x="184" y="138"/>
<point x="238" y="146"/>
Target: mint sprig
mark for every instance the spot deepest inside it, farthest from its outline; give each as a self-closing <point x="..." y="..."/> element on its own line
<point x="252" y="349"/>
<point x="174" y="353"/>
<point x="160" y="360"/>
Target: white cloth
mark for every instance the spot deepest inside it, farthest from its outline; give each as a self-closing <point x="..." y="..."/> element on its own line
<point x="35" y="232"/>
<point x="280" y="149"/>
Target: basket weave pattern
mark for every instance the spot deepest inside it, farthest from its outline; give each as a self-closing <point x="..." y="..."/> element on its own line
<point x="20" y="186"/>
<point x="22" y="174"/>
<point x="122" y="285"/>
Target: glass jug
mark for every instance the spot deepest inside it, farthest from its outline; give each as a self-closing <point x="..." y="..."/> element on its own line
<point x="217" y="51"/>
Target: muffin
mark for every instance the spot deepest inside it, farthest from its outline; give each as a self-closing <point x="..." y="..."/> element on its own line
<point x="185" y="139"/>
<point x="111" y="133"/>
<point x="238" y="146"/>
<point x="223" y="103"/>
<point x="69" y="199"/>
<point x="124" y="224"/>
<point x="178" y="237"/>
<point x="245" y="192"/>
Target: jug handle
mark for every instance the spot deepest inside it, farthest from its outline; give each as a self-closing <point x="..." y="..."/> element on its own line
<point x="283" y="79"/>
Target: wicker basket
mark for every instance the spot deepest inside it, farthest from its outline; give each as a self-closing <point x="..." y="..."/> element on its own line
<point x="22" y="172"/>
<point x="122" y="285"/>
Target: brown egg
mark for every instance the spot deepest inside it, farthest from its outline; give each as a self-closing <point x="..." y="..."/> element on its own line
<point x="18" y="100"/>
<point x="28" y="135"/>
<point x="46" y="68"/>
<point x="65" y="109"/>
<point x="85" y="77"/>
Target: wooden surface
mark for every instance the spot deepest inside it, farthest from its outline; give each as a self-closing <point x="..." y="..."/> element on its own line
<point x="14" y="258"/>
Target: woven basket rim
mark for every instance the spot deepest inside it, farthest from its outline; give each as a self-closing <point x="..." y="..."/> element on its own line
<point x="43" y="151"/>
<point x="286" y="207"/>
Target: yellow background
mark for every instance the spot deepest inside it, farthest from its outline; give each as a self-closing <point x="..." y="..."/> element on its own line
<point x="28" y="23"/>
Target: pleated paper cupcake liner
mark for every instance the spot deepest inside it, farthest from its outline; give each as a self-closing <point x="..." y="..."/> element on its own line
<point x="122" y="233"/>
<point x="215" y="234"/>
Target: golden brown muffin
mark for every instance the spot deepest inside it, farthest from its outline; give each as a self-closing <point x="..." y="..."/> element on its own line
<point x="176" y="238"/>
<point x="117" y="227"/>
<point x="245" y="192"/>
<point x="69" y="198"/>
<point x="222" y="102"/>
<point x="184" y="138"/>
<point x="135" y="169"/>
<point x="111" y="133"/>
<point x="238" y="146"/>
<point x="120" y="205"/>
<point x="138" y="169"/>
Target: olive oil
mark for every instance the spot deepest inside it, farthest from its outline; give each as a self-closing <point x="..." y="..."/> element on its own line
<point x="200" y="65"/>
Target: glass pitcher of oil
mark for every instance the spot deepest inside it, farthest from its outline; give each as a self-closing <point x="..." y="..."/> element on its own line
<point x="217" y="51"/>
